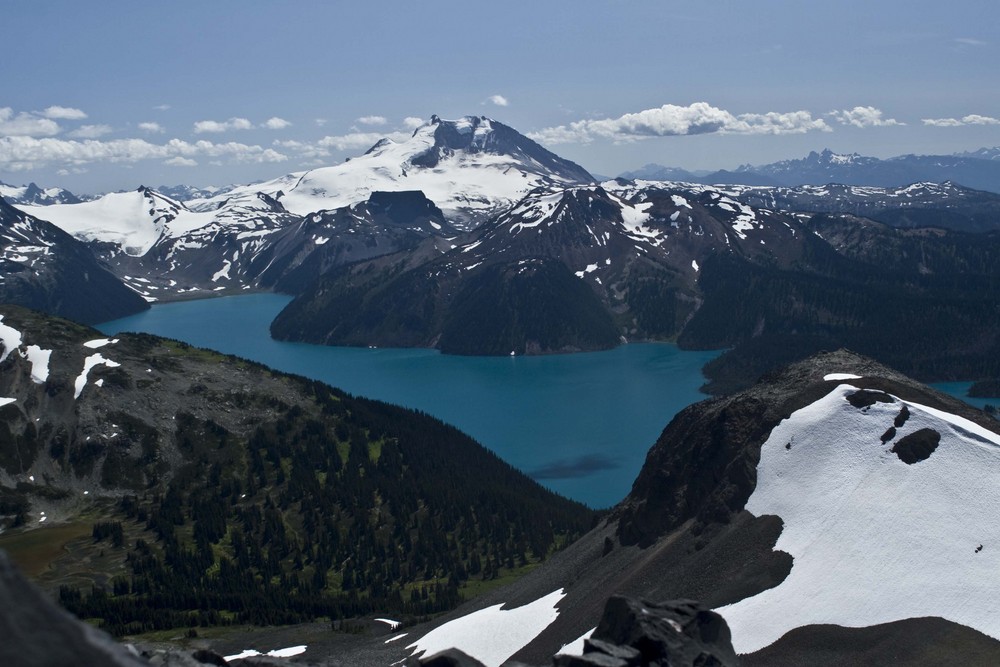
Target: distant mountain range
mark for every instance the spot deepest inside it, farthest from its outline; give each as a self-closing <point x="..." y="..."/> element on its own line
<point x="31" y="194"/>
<point x="979" y="170"/>
<point x="473" y="239"/>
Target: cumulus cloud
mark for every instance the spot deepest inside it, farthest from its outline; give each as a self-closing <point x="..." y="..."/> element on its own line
<point x="91" y="131"/>
<point x="203" y="126"/>
<point x="275" y="123"/>
<point x="26" y="124"/>
<point x="671" y="120"/>
<point x="498" y="100"/>
<point x="352" y="141"/>
<point x="863" y="117"/>
<point x="373" y="120"/>
<point x="19" y="153"/>
<point x="358" y="140"/>
<point x="63" y="113"/>
<point x="971" y="119"/>
<point x="320" y="122"/>
<point x="413" y="122"/>
<point x="152" y="127"/>
<point x="181" y="162"/>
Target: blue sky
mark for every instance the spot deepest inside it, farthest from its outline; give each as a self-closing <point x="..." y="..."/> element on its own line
<point x="109" y="95"/>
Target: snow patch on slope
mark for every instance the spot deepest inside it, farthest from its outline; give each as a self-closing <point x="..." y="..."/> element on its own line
<point x="575" y="647"/>
<point x="98" y="343"/>
<point x="89" y="363"/>
<point x="11" y="339"/>
<point x="875" y="540"/>
<point x="39" y="359"/>
<point x="493" y="634"/>
<point x="276" y="653"/>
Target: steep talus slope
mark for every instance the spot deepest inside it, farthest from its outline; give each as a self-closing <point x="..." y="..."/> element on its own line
<point x="190" y="488"/>
<point x="811" y="470"/>
<point x="45" y="268"/>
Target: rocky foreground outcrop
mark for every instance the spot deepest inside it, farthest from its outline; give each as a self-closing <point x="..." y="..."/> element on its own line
<point x="37" y="633"/>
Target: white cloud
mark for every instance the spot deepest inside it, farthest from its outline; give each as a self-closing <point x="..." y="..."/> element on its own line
<point x="671" y="120"/>
<point x="181" y="162"/>
<point x="413" y="122"/>
<point x="203" y="126"/>
<point x="352" y="141"/>
<point x="320" y="122"/>
<point x="498" y="100"/>
<point x="358" y="140"/>
<point x="26" y="125"/>
<point x="19" y="153"/>
<point x="275" y="123"/>
<point x="970" y="41"/>
<point x="976" y="119"/>
<point x="373" y="120"/>
<point x="863" y="117"/>
<point x="303" y="149"/>
<point x="971" y="119"/>
<point x="63" y="113"/>
<point x="91" y="131"/>
<point x="152" y="127"/>
<point x="162" y="107"/>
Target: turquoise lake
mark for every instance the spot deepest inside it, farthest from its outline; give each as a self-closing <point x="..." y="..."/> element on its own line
<point x="580" y="424"/>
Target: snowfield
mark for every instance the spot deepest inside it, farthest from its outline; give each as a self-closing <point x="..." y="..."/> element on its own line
<point x="133" y="220"/>
<point x="492" y="635"/>
<point x="874" y="539"/>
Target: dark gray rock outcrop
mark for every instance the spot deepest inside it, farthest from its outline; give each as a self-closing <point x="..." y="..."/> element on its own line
<point x="36" y="632"/>
<point x="634" y="633"/>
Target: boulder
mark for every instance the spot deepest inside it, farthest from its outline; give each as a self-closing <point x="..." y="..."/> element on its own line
<point x="678" y="633"/>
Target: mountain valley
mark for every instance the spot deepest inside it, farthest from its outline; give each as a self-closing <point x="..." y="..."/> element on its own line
<point x="825" y="504"/>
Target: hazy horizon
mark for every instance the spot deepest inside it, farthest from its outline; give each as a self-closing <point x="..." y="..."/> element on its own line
<point x="112" y="96"/>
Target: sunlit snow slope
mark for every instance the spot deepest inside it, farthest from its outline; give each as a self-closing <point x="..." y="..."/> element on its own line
<point x="875" y="539"/>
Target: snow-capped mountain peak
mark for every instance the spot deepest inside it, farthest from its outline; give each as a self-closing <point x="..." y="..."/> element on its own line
<point x="134" y="220"/>
<point x="471" y="168"/>
<point x="33" y="194"/>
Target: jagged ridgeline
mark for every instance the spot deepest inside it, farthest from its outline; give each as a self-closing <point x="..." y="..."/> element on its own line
<point x="203" y="489"/>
